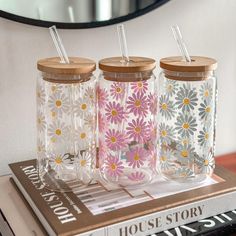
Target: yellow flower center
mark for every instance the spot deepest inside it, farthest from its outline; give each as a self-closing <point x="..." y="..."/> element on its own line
<point x="113" y="139"/>
<point x="58" y="132"/>
<point x="206" y="136"/>
<point x="39" y="121"/>
<point x="169" y="87"/>
<point x="163" y="158"/>
<point x="183" y="174"/>
<point x="113" y="166"/>
<point x="83" y="162"/>
<point x="164" y="106"/>
<point x="206" y="162"/>
<point x="53" y="114"/>
<point x="137" y="129"/>
<point x="185" y="141"/>
<point x="186" y="101"/>
<point x="83" y="135"/>
<point x="118" y="90"/>
<point x="163" y="133"/>
<point x="53" y="88"/>
<point x="186" y="125"/>
<point x="114" y="112"/>
<point x="137" y="103"/>
<point x="58" y="103"/>
<point x="83" y="106"/>
<point x="53" y="140"/>
<point x="208" y="109"/>
<point x="58" y="160"/>
<point x="39" y="94"/>
<point x="206" y="94"/>
<point x="184" y="153"/>
<point x="136" y="157"/>
<point x="140" y="84"/>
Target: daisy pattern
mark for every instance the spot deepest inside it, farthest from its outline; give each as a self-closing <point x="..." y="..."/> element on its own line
<point x="152" y="103"/>
<point x="139" y="86"/>
<point x="56" y="88"/>
<point x="137" y="104"/>
<point x="58" y="131"/>
<point x="82" y="136"/>
<point x="136" y="176"/>
<point x="40" y="147"/>
<point x="102" y="151"/>
<point x="204" y="110"/>
<point x="152" y="161"/>
<point x="102" y="95"/>
<point x="186" y="98"/>
<point x="164" y="159"/>
<point x="206" y="91"/>
<point x="90" y="121"/>
<point x="136" y="157"/>
<point x="59" y="162"/>
<point x="113" y="166"/>
<point x="166" y="107"/>
<point x="184" y="172"/>
<point x="166" y="134"/>
<point x="41" y="122"/>
<point x="185" y="125"/>
<point x="203" y="136"/>
<point x="117" y="90"/>
<point x="102" y="122"/>
<point x="82" y="107"/>
<point x="115" y="140"/>
<point x="40" y="93"/>
<point x="114" y="112"/>
<point x="90" y="95"/>
<point x="208" y="164"/>
<point x="171" y="86"/>
<point x="83" y="160"/>
<point x="137" y="130"/>
<point x="59" y="103"/>
<point x="152" y="130"/>
<point x="185" y="153"/>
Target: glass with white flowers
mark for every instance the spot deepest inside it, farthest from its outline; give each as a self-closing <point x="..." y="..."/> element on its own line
<point x="66" y="122"/>
<point x="186" y="118"/>
<point x="127" y="121"/>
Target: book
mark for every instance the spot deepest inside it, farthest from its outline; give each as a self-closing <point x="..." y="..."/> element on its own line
<point x="101" y="210"/>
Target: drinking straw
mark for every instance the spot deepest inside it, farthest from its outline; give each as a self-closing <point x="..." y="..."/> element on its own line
<point x="58" y="44"/>
<point x="179" y="39"/>
<point x="123" y="43"/>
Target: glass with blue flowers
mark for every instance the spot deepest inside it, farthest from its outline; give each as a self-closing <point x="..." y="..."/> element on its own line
<point x="186" y="118"/>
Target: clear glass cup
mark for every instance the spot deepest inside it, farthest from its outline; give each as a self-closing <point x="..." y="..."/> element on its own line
<point x="186" y="118"/>
<point x="127" y="121"/>
<point x="66" y="123"/>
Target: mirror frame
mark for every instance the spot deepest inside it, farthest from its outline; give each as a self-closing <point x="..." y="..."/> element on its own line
<point x="86" y="25"/>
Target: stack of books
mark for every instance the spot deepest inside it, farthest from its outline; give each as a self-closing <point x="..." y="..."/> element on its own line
<point x="161" y="208"/>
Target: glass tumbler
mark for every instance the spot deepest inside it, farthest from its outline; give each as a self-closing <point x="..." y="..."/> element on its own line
<point x="127" y="121"/>
<point x="186" y="118"/>
<point x="66" y="122"/>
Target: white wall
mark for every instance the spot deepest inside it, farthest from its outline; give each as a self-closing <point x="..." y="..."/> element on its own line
<point x="209" y="28"/>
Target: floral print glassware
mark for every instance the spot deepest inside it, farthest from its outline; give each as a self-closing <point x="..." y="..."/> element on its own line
<point x="186" y="118"/>
<point x="66" y="123"/>
<point x="127" y="120"/>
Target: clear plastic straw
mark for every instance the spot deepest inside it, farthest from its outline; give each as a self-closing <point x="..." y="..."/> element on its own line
<point x="179" y="39"/>
<point x="58" y="44"/>
<point x="123" y="43"/>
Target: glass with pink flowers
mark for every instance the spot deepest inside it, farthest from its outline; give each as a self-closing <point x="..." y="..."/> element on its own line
<point x="127" y="121"/>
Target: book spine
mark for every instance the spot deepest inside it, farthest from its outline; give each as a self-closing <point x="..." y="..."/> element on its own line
<point x="167" y="219"/>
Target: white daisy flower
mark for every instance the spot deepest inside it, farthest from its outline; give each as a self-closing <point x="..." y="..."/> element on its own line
<point x="164" y="159"/>
<point x="41" y="96"/>
<point x="206" y="163"/>
<point x="82" y="107"/>
<point x="41" y="122"/>
<point x="56" y="88"/>
<point x="90" y="94"/>
<point x="185" y="153"/>
<point x="83" y="138"/>
<point x="184" y="172"/>
<point x="171" y="86"/>
<point x="59" y="104"/>
<point x="40" y="147"/>
<point x="205" y="110"/>
<point x="206" y="91"/>
<point x="83" y="160"/>
<point x="90" y="121"/>
<point x="59" y="162"/>
<point x="58" y="131"/>
<point x="167" y="108"/>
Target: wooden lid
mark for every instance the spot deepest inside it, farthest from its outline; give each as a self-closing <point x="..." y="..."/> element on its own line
<point x="77" y="66"/>
<point x="198" y="64"/>
<point x="136" y="64"/>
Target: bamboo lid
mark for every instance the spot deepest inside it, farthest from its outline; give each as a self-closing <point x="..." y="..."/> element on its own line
<point x="198" y="64"/>
<point x="136" y="64"/>
<point x="77" y="66"/>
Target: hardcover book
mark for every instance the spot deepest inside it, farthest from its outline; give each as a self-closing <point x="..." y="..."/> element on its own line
<point x="100" y="210"/>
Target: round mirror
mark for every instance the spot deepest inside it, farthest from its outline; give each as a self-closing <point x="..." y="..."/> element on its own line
<point x="72" y="14"/>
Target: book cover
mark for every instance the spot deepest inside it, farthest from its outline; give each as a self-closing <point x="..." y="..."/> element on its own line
<point x="98" y="210"/>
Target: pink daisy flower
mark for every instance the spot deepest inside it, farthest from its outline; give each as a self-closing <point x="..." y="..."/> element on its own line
<point x="137" y="176"/>
<point x="117" y="90"/>
<point x="114" y="112"/>
<point x="152" y="130"/>
<point x="102" y="96"/>
<point x="139" y="86"/>
<point x="113" y="166"/>
<point x="152" y="160"/>
<point x="102" y="122"/>
<point x="137" y="104"/>
<point x="137" y="130"/>
<point x="136" y="157"/>
<point x="115" y="140"/>
<point x="152" y="103"/>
